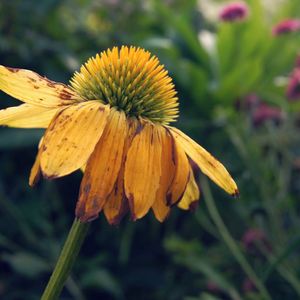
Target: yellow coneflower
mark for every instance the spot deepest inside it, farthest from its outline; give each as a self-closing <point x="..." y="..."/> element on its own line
<point x="112" y="121"/>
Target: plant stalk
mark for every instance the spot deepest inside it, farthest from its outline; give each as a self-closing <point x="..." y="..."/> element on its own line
<point x="66" y="260"/>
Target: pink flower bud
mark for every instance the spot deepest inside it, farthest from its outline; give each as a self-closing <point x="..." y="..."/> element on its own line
<point x="286" y="26"/>
<point x="235" y="11"/>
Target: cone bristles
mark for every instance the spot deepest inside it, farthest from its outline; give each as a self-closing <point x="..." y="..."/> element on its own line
<point x="129" y="79"/>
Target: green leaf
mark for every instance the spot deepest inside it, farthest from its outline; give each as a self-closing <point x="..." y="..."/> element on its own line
<point x="26" y="264"/>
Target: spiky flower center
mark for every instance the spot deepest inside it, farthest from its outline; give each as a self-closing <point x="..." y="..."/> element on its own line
<point x="131" y="80"/>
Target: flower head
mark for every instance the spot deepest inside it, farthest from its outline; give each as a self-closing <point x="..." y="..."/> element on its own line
<point x="235" y="11"/>
<point x="293" y="88"/>
<point x="130" y="80"/>
<point x="112" y="122"/>
<point x="286" y="26"/>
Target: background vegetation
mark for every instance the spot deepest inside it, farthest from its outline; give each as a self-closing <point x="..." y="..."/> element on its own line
<point x="232" y="80"/>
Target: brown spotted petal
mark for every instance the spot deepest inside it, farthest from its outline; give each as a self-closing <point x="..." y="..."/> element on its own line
<point x="191" y="194"/>
<point x="206" y="162"/>
<point x="143" y="170"/>
<point x="181" y="177"/>
<point x="168" y="169"/>
<point x="116" y="205"/>
<point x="71" y="138"/>
<point x="103" y="167"/>
<point x="34" y="89"/>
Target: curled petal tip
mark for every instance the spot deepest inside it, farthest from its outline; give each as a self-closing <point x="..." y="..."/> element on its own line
<point x="236" y="194"/>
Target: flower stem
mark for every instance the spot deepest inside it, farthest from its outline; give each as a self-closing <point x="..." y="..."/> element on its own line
<point x="66" y="260"/>
<point x="230" y="242"/>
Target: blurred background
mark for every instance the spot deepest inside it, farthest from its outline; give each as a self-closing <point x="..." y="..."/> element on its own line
<point x="239" y="88"/>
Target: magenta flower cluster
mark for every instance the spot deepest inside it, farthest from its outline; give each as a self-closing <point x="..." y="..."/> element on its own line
<point x="260" y="111"/>
<point x="235" y="11"/>
<point x="286" y="26"/>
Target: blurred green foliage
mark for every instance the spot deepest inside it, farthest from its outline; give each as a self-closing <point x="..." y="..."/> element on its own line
<point x="246" y="248"/>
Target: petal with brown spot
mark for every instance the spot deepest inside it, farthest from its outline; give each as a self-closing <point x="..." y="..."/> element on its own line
<point x="191" y="193"/>
<point x="116" y="205"/>
<point x="71" y="138"/>
<point x="168" y="169"/>
<point x="34" y="89"/>
<point x="103" y="167"/>
<point x="206" y="162"/>
<point x="178" y="186"/>
<point x="143" y="170"/>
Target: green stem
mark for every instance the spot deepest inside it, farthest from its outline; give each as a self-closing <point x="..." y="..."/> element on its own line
<point x="66" y="260"/>
<point x="230" y="242"/>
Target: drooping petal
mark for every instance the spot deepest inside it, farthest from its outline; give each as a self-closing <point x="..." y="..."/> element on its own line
<point x="27" y="116"/>
<point x="143" y="170"/>
<point x="117" y="204"/>
<point x="102" y="168"/>
<point x="32" y="88"/>
<point x="206" y="162"/>
<point x="182" y="173"/>
<point x="71" y="138"/>
<point x="191" y="194"/>
<point x="160" y="210"/>
<point x="168" y="169"/>
<point x="35" y="172"/>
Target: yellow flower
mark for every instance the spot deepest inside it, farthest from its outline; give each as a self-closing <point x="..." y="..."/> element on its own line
<point x="112" y="121"/>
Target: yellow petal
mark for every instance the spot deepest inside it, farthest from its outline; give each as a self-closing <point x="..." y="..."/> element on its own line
<point x="143" y="170"/>
<point x="159" y="207"/>
<point x="160" y="210"/>
<point x="191" y="194"/>
<point x="71" y="138"/>
<point x="32" y="88"/>
<point x="178" y="186"/>
<point x="27" y="116"/>
<point x="35" y="172"/>
<point x="117" y="204"/>
<point x="206" y="162"/>
<point x="103" y="167"/>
